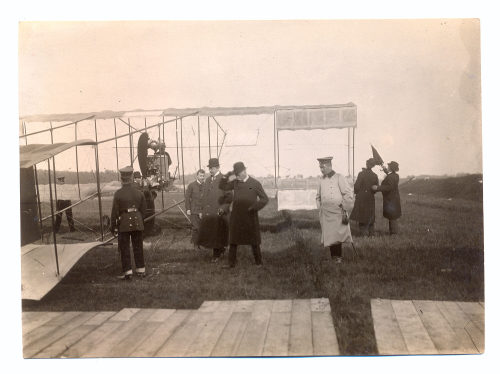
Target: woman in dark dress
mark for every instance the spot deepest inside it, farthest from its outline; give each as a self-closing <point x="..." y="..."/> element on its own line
<point x="249" y="197"/>
<point x="364" y="205"/>
<point x="390" y="192"/>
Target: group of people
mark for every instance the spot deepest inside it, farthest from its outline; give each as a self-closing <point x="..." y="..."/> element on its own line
<point x="223" y="210"/>
<point x="366" y="186"/>
<point x="215" y="226"/>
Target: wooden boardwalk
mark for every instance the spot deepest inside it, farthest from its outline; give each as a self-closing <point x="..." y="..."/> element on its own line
<point x="405" y="327"/>
<point x="299" y="327"/>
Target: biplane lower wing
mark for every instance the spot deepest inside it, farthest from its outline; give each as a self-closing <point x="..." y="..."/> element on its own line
<point x="38" y="269"/>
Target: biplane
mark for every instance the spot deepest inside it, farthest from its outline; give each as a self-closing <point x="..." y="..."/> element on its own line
<point x="45" y="259"/>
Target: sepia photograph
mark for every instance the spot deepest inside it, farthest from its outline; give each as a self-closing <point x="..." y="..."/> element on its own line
<point x="251" y="188"/>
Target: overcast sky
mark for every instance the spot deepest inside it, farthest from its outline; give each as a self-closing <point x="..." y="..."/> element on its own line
<point x="416" y="85"/>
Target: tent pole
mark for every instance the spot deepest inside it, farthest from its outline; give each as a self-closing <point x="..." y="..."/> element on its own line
<point x="52" y="216"/>
<point x="278" y="150"/>
<point x="199" y="144"/>
<point x="116" y="151"/>
<point x="274" y="146"/>
<point x="161" y="164"/>
<point x="217" y="140"/>
<point x="98" y="181"/>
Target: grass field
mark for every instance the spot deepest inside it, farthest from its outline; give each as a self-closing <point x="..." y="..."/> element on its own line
<point x="437" y="256"/>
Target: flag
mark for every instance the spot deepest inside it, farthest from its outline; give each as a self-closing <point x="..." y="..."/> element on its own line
<point x="376" y="157"/>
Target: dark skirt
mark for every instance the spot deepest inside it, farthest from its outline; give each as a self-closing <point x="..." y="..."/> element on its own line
<point x="213" y="232"/>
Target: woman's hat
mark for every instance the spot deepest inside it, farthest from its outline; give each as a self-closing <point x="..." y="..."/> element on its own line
<point x="213" y="163"/>
<point x="393" y="165"/>
<point x="238" y="167"/>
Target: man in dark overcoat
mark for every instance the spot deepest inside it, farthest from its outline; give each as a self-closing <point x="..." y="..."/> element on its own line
<point x="214" y="229"/>
<point x="249" y="197"/>
<point x="390" y="192"/>
<point x="127" y="219"/>
<point x="193" y="202"/>
<point x="364" y="204"/>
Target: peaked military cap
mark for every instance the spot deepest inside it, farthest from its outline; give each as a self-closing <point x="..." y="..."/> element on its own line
<point x="126" y="171"/>
<point x="325" y="160"/>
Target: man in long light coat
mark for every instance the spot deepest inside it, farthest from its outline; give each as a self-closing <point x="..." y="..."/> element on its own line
<point x="334" y="195"/>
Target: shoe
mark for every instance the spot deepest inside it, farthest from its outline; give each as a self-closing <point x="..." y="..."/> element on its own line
<point x="259" y="265"/>
<point x="338" y="260"/>
<point x="127" y="277"/>
<point x="215" y="260"/>
<point x="227" y="266"/>
<point x="141" y="275"/>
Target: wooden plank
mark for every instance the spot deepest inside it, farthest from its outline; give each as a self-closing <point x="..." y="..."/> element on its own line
<point x="252" y="341"/>
<point x="278" y="332"/>
<point x="231" y="335"/>
<point x="320" y="305"/>
<point x="48" y="327"/>
<point x="161" y="315"/>
<point x="475" y="313"/>
<point x="38" y="345"/>
<point x="90" y="340"/>
<point x="440" y="331"/>
<point x="244" y="306"/>
<point x="324" y="338"/>
<point x="181" y="339"/>
<point x="282" y="306"/>
<point x="209" y="334"/>
<point x="36" y="319"/>
<point x="458" y="320"/>
<point x="99" y="318"/>
<point x="388" y="335"/>
<point x="414" y="333"/>
<point x="56" y="349"/>
<point x="209" y="306"/>
<point x="124" y="315"/>
<point x="111" y="345"/>
<point x="160" y="333"/>
<point x="301" y="329"/>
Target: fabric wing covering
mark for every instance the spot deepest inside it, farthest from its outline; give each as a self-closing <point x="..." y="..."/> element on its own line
<point x="33" y="154"/>
<point x="316" y="118"/>
<point x="38" y="266"/>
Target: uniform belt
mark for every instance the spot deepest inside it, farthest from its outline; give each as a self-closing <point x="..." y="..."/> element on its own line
<point x="129" y="210"/>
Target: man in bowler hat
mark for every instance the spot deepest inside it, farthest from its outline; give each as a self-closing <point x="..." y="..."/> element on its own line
<point x="249" y="197"/>
<point x="214" y="215"/>
<point x="390" y="192"/>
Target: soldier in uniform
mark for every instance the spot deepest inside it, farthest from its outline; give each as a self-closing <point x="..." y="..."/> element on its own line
<point x="127" y="218"/>
<point x="194" y="194"/>
<point x="334" y="195"/>
<point x="364" y="204"/>
<point x="390" y="192"/>
<point x="60" y="205"/>
<point x="214" y="223"/>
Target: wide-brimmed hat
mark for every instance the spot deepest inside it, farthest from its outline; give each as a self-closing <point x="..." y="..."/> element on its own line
<point x="213" y="163"/>
<point x="393" y="165"/>
<point x="371" y="163"/>
<point x="238" y="167"/>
